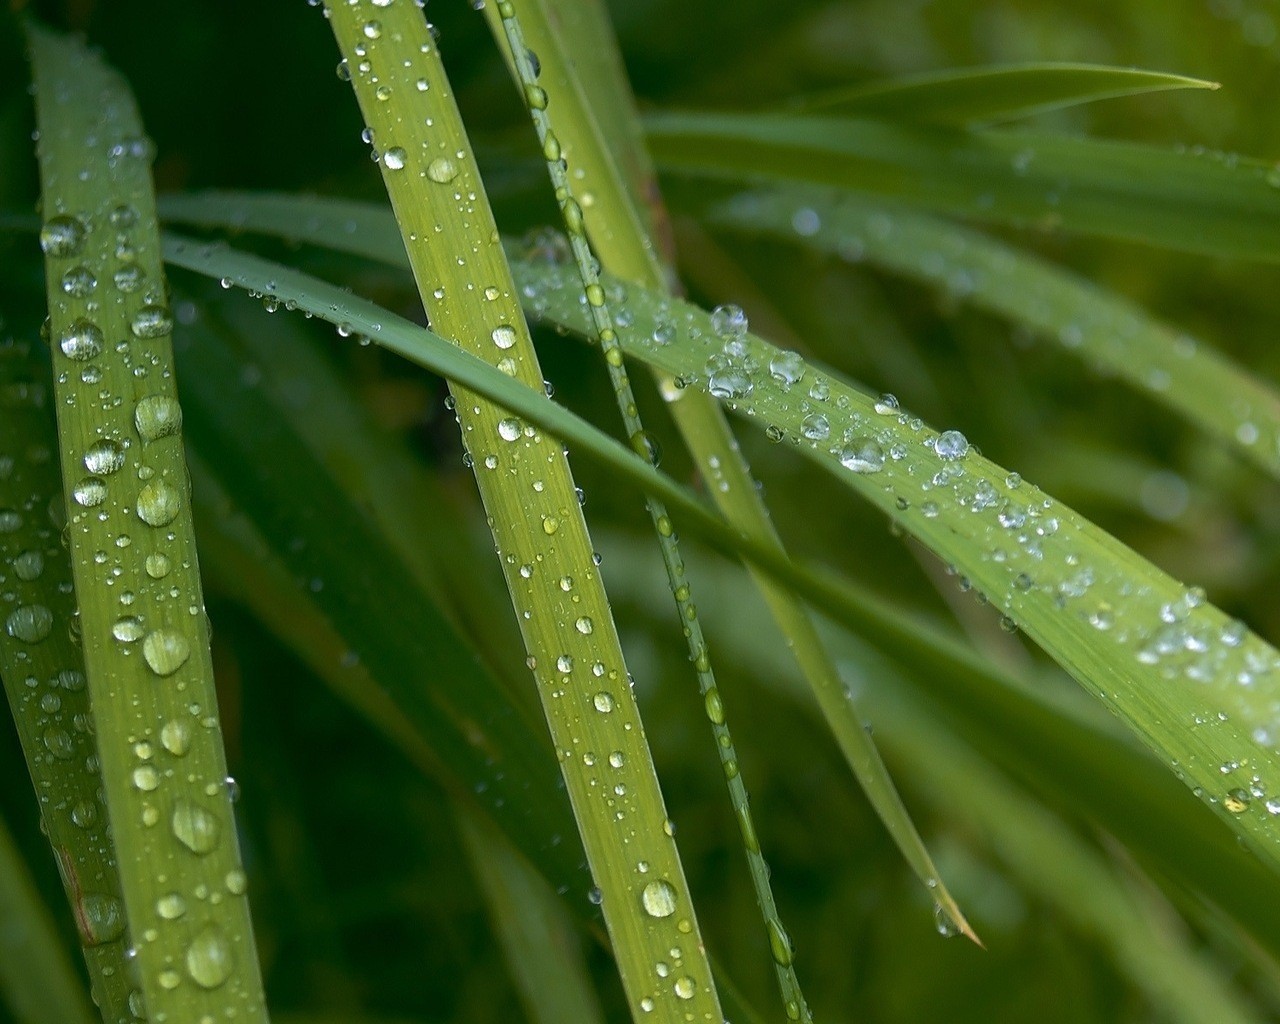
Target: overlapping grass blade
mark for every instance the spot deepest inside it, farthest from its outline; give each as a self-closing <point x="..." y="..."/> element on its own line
<point x="621" y="205"/>
<point x="137" y="586"/>
<point x="1105" y="329"/>
<point x="534" y="513"/>
<point x="994" y="93"/>
<point x="37" y="981"/>
<point x="361" y="593"/>
<point x="1200" y="202"/>
<point x="43" y="672"/>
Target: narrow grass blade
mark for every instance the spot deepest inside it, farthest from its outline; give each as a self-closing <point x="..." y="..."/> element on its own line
<point x="1120" y="786"/>
<point x="1178" y="371"/>
<point x="37" y="980"/>
<point x="1001" y="92"/>
<point x="535" y="517"/>
<point x="1195" y="202"/>
<point x="141" y="612"/>
<point x="614" y="221"/>
<point x="44" y="674"/>
<point x="541" y="946"/>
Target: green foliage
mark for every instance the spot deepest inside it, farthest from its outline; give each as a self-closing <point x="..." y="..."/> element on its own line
<point x="450" y="771"/>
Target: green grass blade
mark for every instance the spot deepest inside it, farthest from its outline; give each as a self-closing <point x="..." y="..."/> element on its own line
<point x="37" y="980"/>
<point x="541" y="947"/>
<point x="535" y="517"/>
<point x="1190" y="201"/>
<point x="44" y="680"/>
<point x="1170" y="831"/>
<point x="541" y="107"/>
<point x="141" y="611"/>
<point x="1178" y="371"/>
<point x="1000" y="92"/>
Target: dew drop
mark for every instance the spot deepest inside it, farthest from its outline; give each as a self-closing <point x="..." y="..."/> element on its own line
<point x="442" y="170"/>
<point x="171" y="906"/>
<point x="29" y="623"/>
<point x="101" y="918"/>
<point x="509" y="428"/>
<point x="157" y="416"/>
<point x="151" y="322"/>
<point x="659" y="898"/>
<point x="685" y="987"/>
<point x="175" y="737"/>
<point x="81" y="341"/>
<point x="158" y="503"/>
<point x="209" y="958"/>
<point x="603" y="702"/>
<point x="90" y="491"/>
<point x="104" y="457"/>
<point x="127" y="629"/>
<point x="146" y="778"/>
<point x="584" y="625"/>
<point x="504" y="336"/>
<point x="862" y="455"/>
<point x="951" y="445"/>
<point x="79" y="282"/>
<point x="787" y="367"/>
<point x="194" y="827"/>
<point x="129" y="278"/>
<point x="157" y="565"/>
<point x="28" y="565"/>
<point x="394" y="158"/>
<point x="165" y="651"/>
<point x="1237" y="801"/>
<point x="815" y="427"/>
<point x="729" y="321"/>
<point x="62" y="236"/>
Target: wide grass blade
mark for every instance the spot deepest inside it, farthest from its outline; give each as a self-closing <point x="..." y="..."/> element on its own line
<point x="1128" y="792"/>
<point x="1089" y="322"/>
<point x="43" y="672"/>
<point x="1000" y="92"/>
<point x="141" y="611"/>
<point x="533" y="508"/>
<point x="1187" y="200"/>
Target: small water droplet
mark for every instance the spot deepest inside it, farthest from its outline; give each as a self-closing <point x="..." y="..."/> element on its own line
<point x="158" y="503"/>
<point x="157" y="416"/>
<point x="157" y="565"/>
<point x="685" y="987"/>
<point x="504" y="336"/>
<point x="951" y="444"/>
<point x="442" y="170"/>
<point x="127" y="629"/>
<point x="62" y="236"/>
<point x="29" y="623"/>
<point x="101" y="919"/>
<point x="209" y="958"/>
<point x="603" y="702"/>
<point x="394" y="158"/>
<point x="81" y="341"/>
<point x="79" y="282"/>
<point x="104" y="457"/>
<point x="862" y="455"/>
<point x="659" y="898"/>
<point x="151" y="322"/>
<point x="175" y="737"/>
<point x="194" y="827"/>
<point x="584" y="625"/>
<point x="171" y="906"/>
<point x="165" y="651"/>
<point x="509" y="428"/>
<point x="729" y="321"/>
<point x="28" y="565"/>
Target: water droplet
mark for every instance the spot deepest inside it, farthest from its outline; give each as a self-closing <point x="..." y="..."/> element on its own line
<point x="442" y="170"/>
<point x="603" y="702"/>
<point x="236" y="882"/>
<point x="194" y="827"/>
<point x="1237" y="801"/>
<point x="550" y="524"/>
<point x="151" y="322"/>
<point x="171" y="906"/>
<point x="617" y="759"/>
<point x="862" y="455"/>
<point x="944" y="922"/>
<point x="509" y="428"/>
<point x="165" y="651"/>
<point x="951" y="444"/>
<point x="584" y="625"/>
<point x="394" y="158"/>
<point x="146" y="778"/>
<point x="101" y="918"/>
<point x="209" y="958"/>
<point x="780" y="943"/>
<point x="659" y="898"/>
<point x="504" y="336"/>
<point x="787" y="367"/>
<point x="158" y="503"/>
<point x="129" y="278"/>
<point x="175" y="737"/>
<point x="729" y="321"/>
<point x="29" y="623"/>
<point x="90" y="491"/>
<point x="79" y="282"/>
<point x="157" y="416"/>
<point x="685" y="987"/>
<point x="62" y="236"/>
<point x="157" y="565"/>
<point x="127" y="629"/>
<point x="81" y="341"/>
<point x="28" y="565"/>
<point x="104" y="457"/>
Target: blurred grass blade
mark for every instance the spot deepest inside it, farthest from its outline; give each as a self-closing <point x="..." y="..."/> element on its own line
<point x="44" y="680"/>
<point x="533" y="508"/>
<point x="999" y="92"/>
<point x="541" y="947"/>
<point x="1106" y="330"/>
<point x="1191" y="201"/>
<point x="37" y="981"/>
<point x="140" y="607"/>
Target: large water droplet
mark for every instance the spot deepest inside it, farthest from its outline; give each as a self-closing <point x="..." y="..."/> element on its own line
<point x="787" y="367"/>
<point x="29" y="623"/>
<point x="79" y="282"/>
<point x="175" y="737"/>
<point x="90" y="491"/>
<point x="151" y="322"/>
<point x="104" y="457"/>
<point x="101" y="919"/>
<point x="194" y="827"/>
<point x="815" y="427"/>
<point x="729" y="321"/>
<point x="28" y="565"/>
<point x="862" y="455"/>
<point x="81" y="341"/>
<point x="504" y="336"/>
<point x="659" y="898"/>
<point x="158" y="503"/>
<point x="127" y="629"/>
<point x="209" y="958"/>
<point x="442" y="170"/>
<point x="685" y="987"/>
<point x="394" y="158"/>
<point x="509" y="428"/>
<point x="62" y="235"/>
<point x="165" y="651"/>
<point x="951" y="444"/>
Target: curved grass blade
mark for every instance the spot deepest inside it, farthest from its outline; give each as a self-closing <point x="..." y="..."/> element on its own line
<point x="44" y="674"/>
<point x="999" y="92"/>
<point x="1173" y="368"/>
<point x="37" y="980"/>
<point x="141" y="611"/>
<point x="534" y="513"/>
<point x="1132" y="792"/>
<point x="602" y="320"/>
<point x="1191" y="201"/>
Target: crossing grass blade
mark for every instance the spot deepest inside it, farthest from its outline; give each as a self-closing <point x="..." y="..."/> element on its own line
<point x="995" y="93"/>
<point x="137" y="587"/>
<point x="1224" y="399"/>
<point x="537" y="523"/>
<point x="44" y="677"/>
<point x="1185" y="200"/>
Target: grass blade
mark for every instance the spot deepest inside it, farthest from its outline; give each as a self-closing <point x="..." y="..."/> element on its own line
<point x="44" y="680"/>
<point x="534" y="512"/>
<point x="141" y="611"/>
<point x="1223" y="399"/>
<point x="1194" y="202"/>
<point x="1000" y="92"/>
